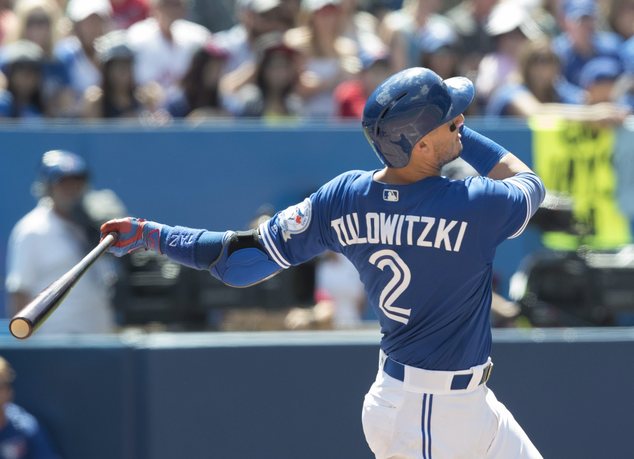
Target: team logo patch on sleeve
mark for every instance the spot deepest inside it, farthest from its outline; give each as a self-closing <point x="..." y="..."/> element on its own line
<point x="295" y="219"/>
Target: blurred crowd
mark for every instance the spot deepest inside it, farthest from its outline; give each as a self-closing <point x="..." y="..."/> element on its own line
<point x="157" y="60"/>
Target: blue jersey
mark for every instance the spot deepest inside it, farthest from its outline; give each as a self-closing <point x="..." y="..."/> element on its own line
<point x="22" y="438"/>
<point x="424" y="252"/>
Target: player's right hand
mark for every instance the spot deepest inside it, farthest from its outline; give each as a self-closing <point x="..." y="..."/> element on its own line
<point x="134" y="234"/>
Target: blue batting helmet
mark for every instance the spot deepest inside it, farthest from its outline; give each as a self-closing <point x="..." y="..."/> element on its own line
<point x="57" y="164"/>
<point x="409" y="105"/>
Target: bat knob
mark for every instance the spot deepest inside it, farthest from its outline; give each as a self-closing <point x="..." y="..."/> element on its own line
<point x="20" y="328"/>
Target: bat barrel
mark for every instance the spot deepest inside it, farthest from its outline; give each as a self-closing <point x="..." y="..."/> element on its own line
<point x="34" y="314"/>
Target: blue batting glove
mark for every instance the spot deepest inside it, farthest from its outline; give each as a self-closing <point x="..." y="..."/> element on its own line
<point x="134" y="234"/>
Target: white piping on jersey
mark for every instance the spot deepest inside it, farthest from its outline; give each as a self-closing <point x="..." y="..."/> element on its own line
<point x="529" y="204"/>
<point x="271" y="248"/>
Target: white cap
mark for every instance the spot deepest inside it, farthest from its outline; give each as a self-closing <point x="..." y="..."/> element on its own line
<point x="508" y="16"/>
<point x="78" y="10"/>
<point x="262" y="6"/>
<point x="316" y="5"/>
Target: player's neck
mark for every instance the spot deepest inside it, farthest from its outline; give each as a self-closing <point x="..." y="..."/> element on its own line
<point x="404" y="175"/>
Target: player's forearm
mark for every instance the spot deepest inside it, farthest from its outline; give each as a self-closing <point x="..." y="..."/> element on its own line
<point x="488" y="157"/>
<point x="195" y="248"/>
<point x="508" y="166"/>
<point x="235" y="258"/>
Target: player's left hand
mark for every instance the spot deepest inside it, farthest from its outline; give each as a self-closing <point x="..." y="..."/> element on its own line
<point x="134" y="234"/>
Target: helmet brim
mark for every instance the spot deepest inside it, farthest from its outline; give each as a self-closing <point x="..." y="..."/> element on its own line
<point x="462" y="93"/>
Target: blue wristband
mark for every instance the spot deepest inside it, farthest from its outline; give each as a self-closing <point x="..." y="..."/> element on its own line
<point x="479" y="151"/>
<point x="195" y="248"/>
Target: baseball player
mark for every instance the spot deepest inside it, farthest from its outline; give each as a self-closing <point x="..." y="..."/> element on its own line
<point x="423" y="245"/>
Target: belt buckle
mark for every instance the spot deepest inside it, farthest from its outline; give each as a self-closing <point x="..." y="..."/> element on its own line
<point x="486" y="374"/>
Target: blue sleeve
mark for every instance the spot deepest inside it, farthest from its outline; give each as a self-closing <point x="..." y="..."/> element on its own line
<point x="294" y="235"/>
<point x="301" y="231"/>
<point x="507" y="205"/>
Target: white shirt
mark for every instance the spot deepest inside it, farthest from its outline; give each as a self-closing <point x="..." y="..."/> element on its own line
<point x="235" y="41"/>
<point x="43" y="246"/>
<point x="322" y="104"/>
<point x="337" y="277"/>
<point x="158" y="59"/>
<point x="81" y="69"/>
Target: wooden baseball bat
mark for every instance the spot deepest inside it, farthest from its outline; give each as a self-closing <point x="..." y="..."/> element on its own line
<point x="34" y="314"/>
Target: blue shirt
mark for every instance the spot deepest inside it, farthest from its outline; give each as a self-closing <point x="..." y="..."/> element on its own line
<point x="7" y="106"/>
<point x="604" y="43"/>
<point x="424" y="252"/>
<point x="55" y="77"/>
<point x="22" y="438"/>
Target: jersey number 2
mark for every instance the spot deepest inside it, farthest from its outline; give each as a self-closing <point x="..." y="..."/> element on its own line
<point x="401" y="277"/>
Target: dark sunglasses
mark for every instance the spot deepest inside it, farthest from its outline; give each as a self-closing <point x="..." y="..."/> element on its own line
<point x="453" y="127"/>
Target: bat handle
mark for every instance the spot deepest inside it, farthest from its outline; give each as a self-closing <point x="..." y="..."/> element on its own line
<point x="23" y="324"/>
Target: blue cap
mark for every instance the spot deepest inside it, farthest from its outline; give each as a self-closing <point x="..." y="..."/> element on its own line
<point x="437" y="36"/>
<point x="57" y="164"/>
<point x="369" y="58"/>
<point x="600" y="69"/>
<point x="576" y="9"/>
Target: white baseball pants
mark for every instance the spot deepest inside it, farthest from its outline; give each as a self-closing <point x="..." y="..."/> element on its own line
<point x="401" y="421"/>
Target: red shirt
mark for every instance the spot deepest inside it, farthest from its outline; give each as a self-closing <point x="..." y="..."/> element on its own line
<point x="350" y="99"/>
<point x="127" y="12"/>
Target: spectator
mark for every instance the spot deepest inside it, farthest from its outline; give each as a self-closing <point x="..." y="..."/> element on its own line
<point x="128" y="12"/>
<point x="7" y="20"/>
<point x="541" y="89"/>
<point x="339" y="294"/>
<point x="598" y="78"/>
<point x="405" y="31"/>
<point x="164" y="43"/>
<point x="49" y="240"/>
<point x="538" y="81"/>
<point x="351" y="95"/>
<point x="621" y="18"/>
<point x="118" y="95"/>
<point x="38" y="21"/>
<point x="290" y="13"/>
<point x="511" y="26"/>
<point x="330" y="58"/>
<point x="22" y="63"/>
<point x="337" y="281"/>
<point x="90" y="20"/>
<point x="215" y="16"/>
<point x="199" y="93"/>
<point x="544" y="14"/>
<point x="21" y="436"/>
<point x="440" y="52"/>
<point x="272" y="92"/>
<point x="256" y="18"/>
<point x="580" y="41"/>
<point x="469" y="19"/>
<point x="361" y="27"/>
